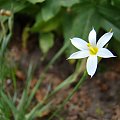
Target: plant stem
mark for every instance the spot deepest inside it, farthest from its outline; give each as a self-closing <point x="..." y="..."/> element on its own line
<point x="79" y="84"/>
<point x="56" y="56"/>
<point x="43" y="74"/>
<point x="66" y="82"/>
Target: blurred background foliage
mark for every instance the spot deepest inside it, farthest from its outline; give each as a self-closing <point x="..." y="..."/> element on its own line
<point x="68" y="18"/>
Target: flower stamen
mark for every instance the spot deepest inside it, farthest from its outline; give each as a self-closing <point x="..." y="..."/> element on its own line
<point x="93" y="49"/>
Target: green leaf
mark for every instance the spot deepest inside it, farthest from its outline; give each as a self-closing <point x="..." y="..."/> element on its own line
<point x="15" y="6"/>
<point x="5" y="111"/>
<point x="75" y="22"/>
<point x="35" y="1"/>
<point x="114" y="43"/>
<point x="10" y="103"/>
<point x="116" y="3"/>
<point x="68" y="3"/>
<point x="51" y="25"/>
<point x="107" y="25"/>
<point x="46" y="42"/>
<point x="25" y="36"/>
<point x="85" y="18"/>
<point x="42" y="26"/>
<point x="68" y="33"/>
<point x="111" y="14"/>
<point x="37" y="111"/>
<point x="50" y="9"/>
<point x="115" y="46"/>
<point x="39" y="22"/>
<point x="111" y="19"/>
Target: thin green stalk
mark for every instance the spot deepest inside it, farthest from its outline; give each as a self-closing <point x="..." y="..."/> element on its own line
<point x="79" y="84"/>
<point x="24" y="96"/>
<point x="49" y="96"/>
<point x="56" y="56"/>
<point x="43" y="74"/>
<point x="36" y="111"/>
<point x="66" y="82"/>
<point x="34" y="91"/>
<point x="3" y="29"/>
<point x="69" y="80"/>
<point x="9" y="103"/>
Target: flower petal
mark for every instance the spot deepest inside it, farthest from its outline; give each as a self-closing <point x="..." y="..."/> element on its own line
<point x="79" y="54"/>
<point x="92" y="37"/>
<point x="92" y="65"/>
<point x="79" y="43"/>
<point x="104" y="39"/>
<point x="104" y="53"/>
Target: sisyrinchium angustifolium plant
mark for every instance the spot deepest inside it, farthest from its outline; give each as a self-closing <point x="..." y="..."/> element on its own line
<point x="69" y="18"/>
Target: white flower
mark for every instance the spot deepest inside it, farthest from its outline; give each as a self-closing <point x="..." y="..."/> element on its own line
<point x="92" y="50"/>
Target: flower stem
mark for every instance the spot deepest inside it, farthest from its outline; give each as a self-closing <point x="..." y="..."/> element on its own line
<point x="58" y="54"/>
<point x="67" y="81"/>
<point x="79" y="84"/>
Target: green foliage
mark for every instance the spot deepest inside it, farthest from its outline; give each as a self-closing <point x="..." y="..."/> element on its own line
<point x="77" y="18"/>
<point x="46" y="42"/>
<point x="70" y="18"/>
<point x="42" y="26"/>
<point x="16" y="6"/>
<point x="52" y="7"/>
<point x="36" y="1"/>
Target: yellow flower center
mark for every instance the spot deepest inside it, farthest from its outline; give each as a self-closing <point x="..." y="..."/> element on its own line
<point x="93" y="49"/>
